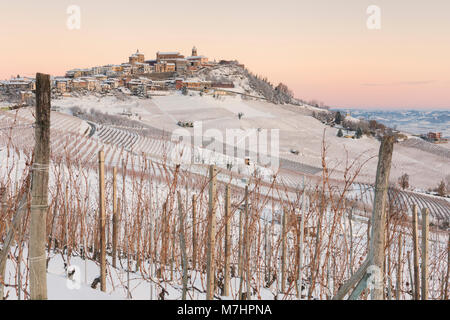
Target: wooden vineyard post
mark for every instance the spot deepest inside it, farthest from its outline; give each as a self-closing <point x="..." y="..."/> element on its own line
<point x="266" y="251"/>
<point x="248" y="246"/>
<point x="415" y="253"/>
<point x="183" y="246"/>
<point x="5" y="249"/>
<point x="211" y="234"/>
<point x="242" y="238"/>
<point x="378" y="236"/>
<point x="300" y="245"/>
<point x="376" y="257"/>
<point x="194" y="232"/>
<point x="399" y="267"/>
<point x="425" y="253"/>
<point x="39" y="190"/>
<point x="102" y="218"/>
<point x="226" y="286"/>
<point x="411" y="278"/>
<point x="446" y="279"/>
<point x="283" y="252"/>
<point x="115" y="219"/>
<point x="164" y="235"/>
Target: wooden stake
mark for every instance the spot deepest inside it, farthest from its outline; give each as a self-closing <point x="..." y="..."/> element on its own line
<point x="300" y="245"/>
<point x="194" y="232"/>
<point x="411" y="278"/>
<point x="283" y="253"/>
<point x="164" y="235"/>
<point x="399" y="267"/>
<point x="39" y="190"/>
<point x="247" y="246"/>
<point x="241" y="236"/>
<point x="210" y="273"/>
<point x="115" y="219"/>
<point x="377" y="243"/>
<point x="226" y="286"/>
<point x="425" y="253"/>
<point x="376" y="255"/>
<point x="416" y="253"/>
<point x="102" y="218"/>
<point x="446" y="279"/>
<point x="183" y="247"/>
<point x="242" y="219"/>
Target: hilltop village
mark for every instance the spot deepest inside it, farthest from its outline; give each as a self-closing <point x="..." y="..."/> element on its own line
<point x="138" y="76"/>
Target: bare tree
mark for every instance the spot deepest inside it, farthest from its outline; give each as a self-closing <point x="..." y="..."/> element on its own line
<point x="403" y="181"/>
<point x="441" y="189"/>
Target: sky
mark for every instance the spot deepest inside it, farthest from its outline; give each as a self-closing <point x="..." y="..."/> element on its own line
<point x="322" y="49"/>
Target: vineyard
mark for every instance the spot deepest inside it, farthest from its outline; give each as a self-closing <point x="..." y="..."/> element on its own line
<point x="288" y="236"/>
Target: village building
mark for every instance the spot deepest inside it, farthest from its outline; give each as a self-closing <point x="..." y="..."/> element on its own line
<point x="192" y="84"/>
<point x="25" y="96"/>
<point x="181" y="65"/>
<point x="134" y="84"/>
<point x="136" y="58"/>
<point x="62" y="84"/>
<point x="222" y="84"/>
<point x="198" y="60"/>
<point x="160" y="85"/>
<point x="168" y="56"/>
<point x="126" y="68"/>
<point x="112" y="83"/>
<point x="434" y="136"/>
<point x="100" y="77"/>
<point x="141" y="68"/>
<point x="78" y="84"/>
<point x="95" y="71"/>
<point x="93" y="84"/>
<point x="20" y="83"/>
<point x="164" y="66"/>
<point x="77" y="73"/>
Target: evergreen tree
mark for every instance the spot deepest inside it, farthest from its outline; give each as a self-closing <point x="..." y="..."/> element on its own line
<point x="359" y="133"/>
<point x="338" y="118"/>
<point x="340" y="134"/>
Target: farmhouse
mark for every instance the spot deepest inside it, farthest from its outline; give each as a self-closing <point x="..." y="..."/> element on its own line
<point x="434" y="136"/>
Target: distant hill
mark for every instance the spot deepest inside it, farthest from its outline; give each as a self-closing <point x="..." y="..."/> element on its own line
<point x="411" y="121"/>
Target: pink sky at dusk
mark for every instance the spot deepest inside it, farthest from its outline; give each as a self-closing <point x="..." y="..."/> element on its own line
<point x="321" y="49"/>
